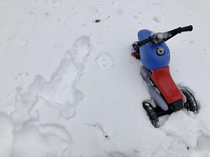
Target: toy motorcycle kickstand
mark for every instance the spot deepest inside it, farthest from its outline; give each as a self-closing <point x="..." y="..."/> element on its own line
<point x="155" y="57"/>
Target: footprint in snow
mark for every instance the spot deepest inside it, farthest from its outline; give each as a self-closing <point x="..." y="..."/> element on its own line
<point x="60" y="91"/>
<point x="104" y="61"/>
<point x="156" y="19"/>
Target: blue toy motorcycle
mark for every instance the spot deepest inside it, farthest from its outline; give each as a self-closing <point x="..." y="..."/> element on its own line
<point x="155" y="57"/>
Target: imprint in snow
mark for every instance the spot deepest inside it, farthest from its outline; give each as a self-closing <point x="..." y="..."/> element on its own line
<point x="41" y="140"/>
<point x="203" y="143"/>
<point x="156" y="19"/>
<point x="60" y="92"/>
<point x="41" y="109"/>
<point x="31" y="138"/>
<point x="104" y="61"/>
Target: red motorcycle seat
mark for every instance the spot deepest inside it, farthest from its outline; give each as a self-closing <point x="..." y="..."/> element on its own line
<point x="163" y="80"/>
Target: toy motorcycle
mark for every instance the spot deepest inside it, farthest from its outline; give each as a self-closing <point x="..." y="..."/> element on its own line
<point x="155" y="57"/>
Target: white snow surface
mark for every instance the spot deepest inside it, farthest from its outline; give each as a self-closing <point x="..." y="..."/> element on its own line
<point x="70" y="88"/>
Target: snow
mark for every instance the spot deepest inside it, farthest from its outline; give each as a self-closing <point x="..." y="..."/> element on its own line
<point x="70" y="88"/>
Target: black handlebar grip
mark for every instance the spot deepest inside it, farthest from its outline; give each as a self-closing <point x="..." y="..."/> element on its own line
<point x="180" y="30"/>
<point x="187" y="28"/>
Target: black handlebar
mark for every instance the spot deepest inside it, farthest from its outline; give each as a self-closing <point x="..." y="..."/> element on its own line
<point x="180" y="30"/>
<point x="154" y="40"/>
<point x="187" y="28"/>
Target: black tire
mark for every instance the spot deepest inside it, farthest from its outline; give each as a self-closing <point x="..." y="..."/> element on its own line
<point x="191" y="103"/>
<point x="151" y="113"/>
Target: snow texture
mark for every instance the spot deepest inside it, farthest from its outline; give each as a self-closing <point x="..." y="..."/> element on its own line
<point x="70" y="88"/>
